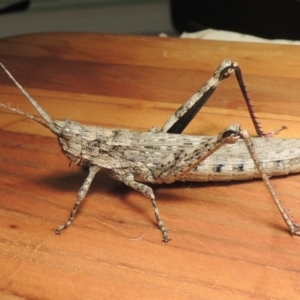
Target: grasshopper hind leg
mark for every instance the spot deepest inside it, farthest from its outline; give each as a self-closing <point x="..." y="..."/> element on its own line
<point x="186" y="112"/>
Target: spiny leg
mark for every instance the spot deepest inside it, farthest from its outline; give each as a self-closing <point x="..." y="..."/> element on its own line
<point x="250" y="106"/>
<point x="185" y="113"/>
<point x="294" y="227"/>
<point x="80" y="196"/>
<point x="148" y="192"/>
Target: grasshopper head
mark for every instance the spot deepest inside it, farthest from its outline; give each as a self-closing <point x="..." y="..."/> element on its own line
<point x="69" y="133"/>
<point x="70" y="139"/>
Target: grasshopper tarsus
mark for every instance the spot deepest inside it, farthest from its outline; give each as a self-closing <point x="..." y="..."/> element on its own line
<point x="62" y="227"/>
<point x="58" y="230"/>
<point x="275" y="132"/>
<point x="166" y="240"/>
<point x="294" y="227"/>
<point x="66" y="225"/>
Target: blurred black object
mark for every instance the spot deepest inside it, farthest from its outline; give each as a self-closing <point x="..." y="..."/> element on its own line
<point x="272" y="19"/>
<point x="15" y="7"/>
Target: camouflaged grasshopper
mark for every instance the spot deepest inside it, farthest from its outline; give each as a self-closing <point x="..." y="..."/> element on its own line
<point x="164" y="156"/>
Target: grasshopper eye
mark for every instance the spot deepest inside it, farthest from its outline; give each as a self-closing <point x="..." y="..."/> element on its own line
<point x="67" y="132"/>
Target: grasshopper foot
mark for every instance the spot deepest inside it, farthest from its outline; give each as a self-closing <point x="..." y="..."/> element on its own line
<point x="60" y="228"/>
<point x="166" y="240"/>
<point x="295" y="229"/>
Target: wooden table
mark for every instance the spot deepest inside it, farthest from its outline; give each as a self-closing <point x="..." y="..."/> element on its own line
<point x="228" y="240"/>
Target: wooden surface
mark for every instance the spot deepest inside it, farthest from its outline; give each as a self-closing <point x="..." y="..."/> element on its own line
<point x="228" y="240"/>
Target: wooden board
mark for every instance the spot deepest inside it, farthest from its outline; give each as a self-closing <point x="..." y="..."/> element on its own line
<point x="228" y="240"/>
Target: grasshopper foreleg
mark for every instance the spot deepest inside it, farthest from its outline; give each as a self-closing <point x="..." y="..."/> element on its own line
<point x="81" y="195"/>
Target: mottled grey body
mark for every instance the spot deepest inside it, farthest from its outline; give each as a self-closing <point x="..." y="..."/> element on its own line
<point x="148" y="156"/>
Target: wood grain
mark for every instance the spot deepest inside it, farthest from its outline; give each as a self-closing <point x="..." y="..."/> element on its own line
<point x="228" y="240"/>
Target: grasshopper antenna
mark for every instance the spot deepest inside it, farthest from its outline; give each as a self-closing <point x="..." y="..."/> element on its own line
<point x="44" y="115"/>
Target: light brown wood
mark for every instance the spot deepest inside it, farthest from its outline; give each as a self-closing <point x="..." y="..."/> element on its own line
<point x="228" y="240"/>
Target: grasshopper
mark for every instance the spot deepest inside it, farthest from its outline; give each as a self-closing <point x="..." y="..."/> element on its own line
<point x="165" y="155"/>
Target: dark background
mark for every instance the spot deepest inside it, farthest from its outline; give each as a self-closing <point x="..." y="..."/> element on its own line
<point x="272" y="19"/>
